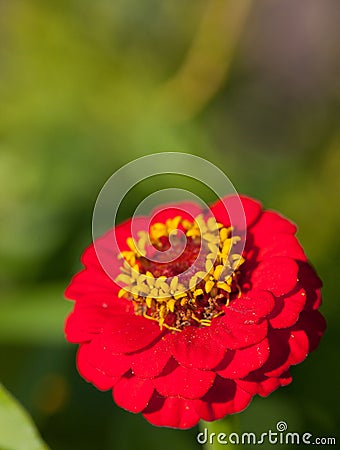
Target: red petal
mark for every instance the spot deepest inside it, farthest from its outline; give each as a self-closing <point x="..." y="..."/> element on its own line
<point x="278" y="275"/>
<point x="90" y="315"/>
<point x="287" y="310"/>
<point x="129" y="333"/>
<point x="281" y="244"/>
<point x="314" y="300"/>
<point x="89" y="257"/>
<point x="251" y="307"/>
<point x="187" y="210"/>
<point x="225" y="397"/>
<point x="243" y="324"/>
<point x="90" y="373"/>
<point x="299" y="346"/>
<point x="308" y="276"/>
<point x="287" y="347"/>
<point x="236" y="336"/>
<point x="245" y="360"/>
<point x="101" y="262"/>
<point x="182" y="382"/>
<point x="171" y="412"/>
<point x="194" y="347"/>
<point x="309" y="280"/>
<point x="113" y="242"/>
<point x="79" y="329"/>
<point x="243" y="211"/>
<point x="271" y="223"/>
<point x="133" y="393"/>
<point x="314" y="325"/>
<point x="107" y="362"/>
<point x="151" y="361"/>
<point x="262" y="385"/>
<point x="279" y="352"/>
<point x="91" y="281"/>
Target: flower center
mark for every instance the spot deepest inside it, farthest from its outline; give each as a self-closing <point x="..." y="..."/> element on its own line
<point x="181" y="273"/>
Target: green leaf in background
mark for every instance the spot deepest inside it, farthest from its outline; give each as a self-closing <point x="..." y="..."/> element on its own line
<point x="34" y="315"/>
<point x="17" y="430"/>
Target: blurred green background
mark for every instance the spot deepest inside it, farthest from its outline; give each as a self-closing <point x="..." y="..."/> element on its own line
<point x="86" y="87"/>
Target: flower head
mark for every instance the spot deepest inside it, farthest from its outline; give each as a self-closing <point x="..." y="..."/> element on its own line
<point x="197" y="316"/>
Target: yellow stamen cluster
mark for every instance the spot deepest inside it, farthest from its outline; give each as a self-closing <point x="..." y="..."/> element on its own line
<point x="157" y="230"/>
<point x="198" y="298"/>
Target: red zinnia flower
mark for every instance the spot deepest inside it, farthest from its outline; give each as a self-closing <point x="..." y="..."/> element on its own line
<point x="197" y="337"/>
